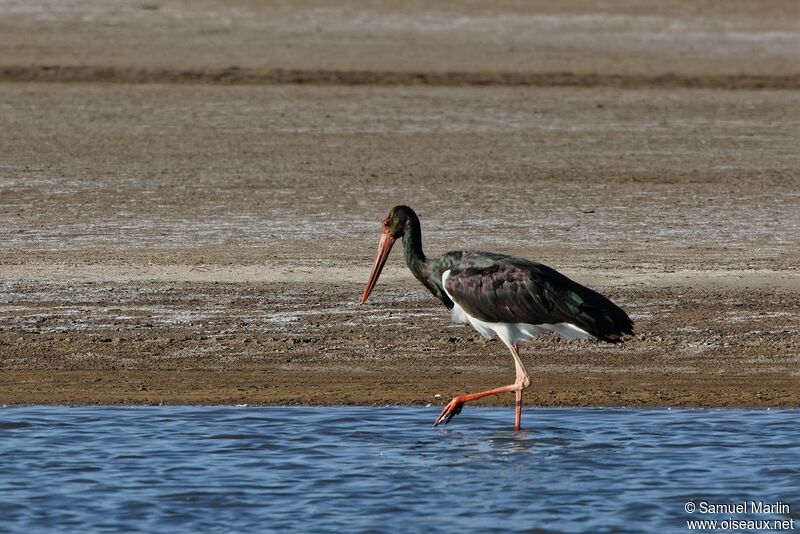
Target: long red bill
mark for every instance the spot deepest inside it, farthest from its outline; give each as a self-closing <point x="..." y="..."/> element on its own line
<point x="380" y="260"/>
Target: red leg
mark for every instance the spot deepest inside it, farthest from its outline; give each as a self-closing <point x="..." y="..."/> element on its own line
<point x="453" y="408"/>
<point x="523" y="380"/>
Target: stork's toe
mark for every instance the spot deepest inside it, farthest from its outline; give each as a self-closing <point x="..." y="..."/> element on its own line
<point x="451" y="409"/>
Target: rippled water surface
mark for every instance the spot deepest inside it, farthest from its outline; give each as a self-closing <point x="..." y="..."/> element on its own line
<point x="350" y="469"/>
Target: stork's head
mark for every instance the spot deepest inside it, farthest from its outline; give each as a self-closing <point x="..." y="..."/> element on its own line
<point x="394" y="226"/>
<point x="395" y="223"/>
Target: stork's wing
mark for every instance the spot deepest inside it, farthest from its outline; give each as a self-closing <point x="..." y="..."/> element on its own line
<point x="520" y="291"/>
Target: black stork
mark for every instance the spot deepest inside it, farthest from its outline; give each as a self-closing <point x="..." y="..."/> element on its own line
<point x="510" y="298"/>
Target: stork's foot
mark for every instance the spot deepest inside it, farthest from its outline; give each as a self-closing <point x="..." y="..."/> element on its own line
<point x="451" y="409"/>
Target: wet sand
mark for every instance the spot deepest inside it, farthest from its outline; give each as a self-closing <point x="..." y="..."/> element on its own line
<point x="196" y="225"/>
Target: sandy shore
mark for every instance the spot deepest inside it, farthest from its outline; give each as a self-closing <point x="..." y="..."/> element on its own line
<point x="190" y="198"/>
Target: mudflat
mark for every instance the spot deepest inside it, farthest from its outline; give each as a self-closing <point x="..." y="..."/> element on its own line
<point x="190" y="197"/>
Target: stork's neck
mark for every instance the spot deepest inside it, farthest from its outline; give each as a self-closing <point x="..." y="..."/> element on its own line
<point x="412" y="243"/>
<point x="415" y="258"/>
<point x="422" y="269"/>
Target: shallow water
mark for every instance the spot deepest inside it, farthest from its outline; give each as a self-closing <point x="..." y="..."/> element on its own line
<point x="346" y="469"/>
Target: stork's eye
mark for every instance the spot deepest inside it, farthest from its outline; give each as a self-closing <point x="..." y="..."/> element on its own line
<point x="387" y="224"/>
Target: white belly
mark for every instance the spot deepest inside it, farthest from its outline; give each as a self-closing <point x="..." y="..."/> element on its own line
<point x="512" y="333"/>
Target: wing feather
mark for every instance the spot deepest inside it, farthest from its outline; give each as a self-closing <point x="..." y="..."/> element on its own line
<point x="512" y="290"/>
